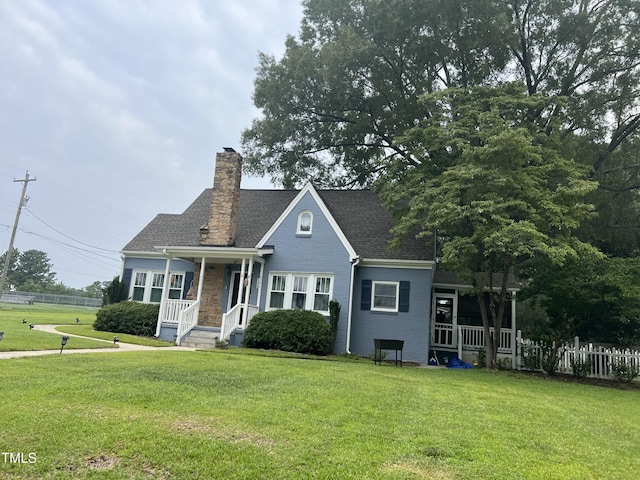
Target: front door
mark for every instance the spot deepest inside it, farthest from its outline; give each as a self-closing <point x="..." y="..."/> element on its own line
<point x="444" y="320"/>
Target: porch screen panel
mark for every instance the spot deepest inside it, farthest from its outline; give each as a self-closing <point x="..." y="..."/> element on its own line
<point x="278" y="284"/>
<point x="299" y="296"/>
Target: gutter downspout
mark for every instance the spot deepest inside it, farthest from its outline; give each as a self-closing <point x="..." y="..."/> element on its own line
<point x="354" y="263"/>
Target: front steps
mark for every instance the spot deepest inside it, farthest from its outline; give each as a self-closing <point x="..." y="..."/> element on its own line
<point x="202" y="338"/>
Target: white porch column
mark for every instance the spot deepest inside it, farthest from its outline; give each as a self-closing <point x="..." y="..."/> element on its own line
<point x="259" y="282"/>
<point x="165" y="295"/>
<point x="247" y="291"/>
<point x="243" y="268"/>
<point x="201" y="279"/>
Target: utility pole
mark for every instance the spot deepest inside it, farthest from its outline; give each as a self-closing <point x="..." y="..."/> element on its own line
<point x="23" y="202"/>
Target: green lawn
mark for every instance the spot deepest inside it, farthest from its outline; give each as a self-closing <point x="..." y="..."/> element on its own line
<point x="18" y="336"/>
<point x="88" y="331"/>
<point x="46" y="314"/>
<point x="238" y="414"/>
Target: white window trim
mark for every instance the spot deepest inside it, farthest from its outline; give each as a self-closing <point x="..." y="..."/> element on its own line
<point x="310" y="293"/>
<point x="375" y="283"/>
<point x="148" y="286"/>
<point x="299" y="230"/>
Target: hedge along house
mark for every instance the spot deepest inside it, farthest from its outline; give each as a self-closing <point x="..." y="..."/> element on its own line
<point x="234" y="252"/>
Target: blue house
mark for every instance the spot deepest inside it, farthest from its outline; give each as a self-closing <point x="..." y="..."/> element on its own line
<point x="235" y="252"/>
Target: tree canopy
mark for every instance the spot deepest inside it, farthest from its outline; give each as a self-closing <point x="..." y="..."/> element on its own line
<point x="347" y="86"/>
<point x="501" y="195"/>
<point x="32" y="271"/>
<point x="597" y="299"/>
<point x="31" y="267"/>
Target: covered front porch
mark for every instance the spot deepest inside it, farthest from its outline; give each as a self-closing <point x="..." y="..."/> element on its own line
<point x="457" y="326"/>
<point x="223" y="298"/>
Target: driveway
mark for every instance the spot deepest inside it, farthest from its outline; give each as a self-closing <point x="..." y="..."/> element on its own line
<point x="122" y="347"/>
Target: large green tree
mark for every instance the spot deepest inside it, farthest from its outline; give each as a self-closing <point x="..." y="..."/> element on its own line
<point x="502" y="194"/>
<point x="596" y="299"/>
<point x="347" y="86"/>
<point x="31" y="268"/>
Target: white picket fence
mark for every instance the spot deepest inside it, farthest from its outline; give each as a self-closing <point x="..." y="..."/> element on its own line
<point x="598" y="359"/>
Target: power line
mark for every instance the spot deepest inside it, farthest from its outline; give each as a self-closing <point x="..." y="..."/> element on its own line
<point x="68" y="245"/>
<point x="67" y="236"/>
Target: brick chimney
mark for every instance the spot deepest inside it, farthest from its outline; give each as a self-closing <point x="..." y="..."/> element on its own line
<point x="221" y="227"/>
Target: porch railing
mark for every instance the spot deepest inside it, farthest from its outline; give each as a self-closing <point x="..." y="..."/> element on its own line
<point x="231" y="320"/>
<point x="173" y="308"/>
<point x="187" y="319"/>
<point x="468" y="337"/>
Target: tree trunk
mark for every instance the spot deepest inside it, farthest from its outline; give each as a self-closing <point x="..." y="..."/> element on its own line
<point x="490" y="346"/>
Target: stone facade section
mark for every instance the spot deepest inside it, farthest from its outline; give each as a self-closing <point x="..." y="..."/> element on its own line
<point x="211" y="302"/>
<point x="225" y="198"/>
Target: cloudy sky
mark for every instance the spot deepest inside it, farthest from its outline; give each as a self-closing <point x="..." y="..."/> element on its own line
<point x="117" y="108"/>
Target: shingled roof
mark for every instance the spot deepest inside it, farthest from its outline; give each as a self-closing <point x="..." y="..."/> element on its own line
<point x="359" y="213"/>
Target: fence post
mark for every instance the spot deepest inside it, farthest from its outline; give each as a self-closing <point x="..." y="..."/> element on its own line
<point x="459" y="342"/>
<point x="517" y="351"/>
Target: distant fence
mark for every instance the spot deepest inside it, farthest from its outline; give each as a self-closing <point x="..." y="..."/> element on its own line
<point x="30" y="298"/>
<point x="599" y="359"/>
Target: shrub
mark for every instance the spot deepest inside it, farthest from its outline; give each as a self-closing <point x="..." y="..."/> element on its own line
<point x="482" y="358"/>
<point x="624" y="372"/>
<point x="299" y="331"/>
<point x="581" y="368"/>
<point x="128" y="317"/>
<point x="334" y="318"/>
<point x="115" y="292"/>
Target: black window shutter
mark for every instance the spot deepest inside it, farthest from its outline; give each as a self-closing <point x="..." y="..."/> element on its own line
<point x="126" y="276"/>
<point x="365" y="300"/>
<point x="188" y="280"/>
<point x="403" y="301"/>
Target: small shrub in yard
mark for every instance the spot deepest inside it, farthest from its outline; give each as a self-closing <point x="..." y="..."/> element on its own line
<point x="624" y="372"/>
<point x="128" y="317"/>
<point x="482" y="358"/>
<point x="581" y="368"/>
<point x="299" y="331"/>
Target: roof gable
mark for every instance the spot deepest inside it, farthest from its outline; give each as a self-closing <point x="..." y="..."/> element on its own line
<point x="309" y="189"/>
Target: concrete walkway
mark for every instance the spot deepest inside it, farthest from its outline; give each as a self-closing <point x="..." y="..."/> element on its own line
<point x="122" y="347"/>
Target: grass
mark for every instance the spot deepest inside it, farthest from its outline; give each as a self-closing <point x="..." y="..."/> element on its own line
<point x="46" y="314"/>
<point x="88" y="331"/>
<point x="76" y="321"/>
<point x="239" y="414"/>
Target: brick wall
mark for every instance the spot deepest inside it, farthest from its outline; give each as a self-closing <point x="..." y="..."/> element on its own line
<point x="221" y="228"/>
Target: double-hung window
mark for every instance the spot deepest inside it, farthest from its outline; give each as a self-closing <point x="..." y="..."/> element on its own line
<point x="305" y="291"/>
<point x="385" y="296"/>
<point x="299" y="293"/>
<point x="322" y="294"/>
<point x="147" y="286"/>
<point x="139" y="286"/>
<point x="277" y="292"/>
<point x="156" y="287"/>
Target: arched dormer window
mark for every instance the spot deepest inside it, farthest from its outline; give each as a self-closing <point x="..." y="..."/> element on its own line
<point x="305" y="222"/>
